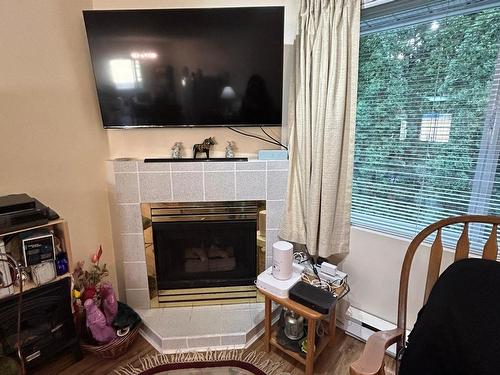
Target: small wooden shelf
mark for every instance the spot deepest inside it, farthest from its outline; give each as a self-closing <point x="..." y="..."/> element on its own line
<point x="302" y="310"/>
<point x="313" y="318"/>
<point x="61" y="230"/>
<point x="319" y="349"/>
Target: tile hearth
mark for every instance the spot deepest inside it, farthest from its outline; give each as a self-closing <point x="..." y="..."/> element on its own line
<point x="203" y="327"/>
<point x="135" y="182"/>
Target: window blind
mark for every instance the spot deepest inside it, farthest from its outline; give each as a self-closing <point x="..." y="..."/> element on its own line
<point x="427" y="127"/>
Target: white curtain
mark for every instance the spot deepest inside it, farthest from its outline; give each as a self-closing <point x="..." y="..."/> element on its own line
<point x="322" y="112"/>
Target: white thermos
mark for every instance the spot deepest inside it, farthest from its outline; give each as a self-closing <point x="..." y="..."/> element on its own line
<point x="282" y="260"/>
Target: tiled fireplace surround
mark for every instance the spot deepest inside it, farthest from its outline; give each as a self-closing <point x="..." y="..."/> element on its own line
<point x="134" y="182"/>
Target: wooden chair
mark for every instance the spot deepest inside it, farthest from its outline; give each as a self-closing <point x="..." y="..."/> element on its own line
<point x="371" y="361"/>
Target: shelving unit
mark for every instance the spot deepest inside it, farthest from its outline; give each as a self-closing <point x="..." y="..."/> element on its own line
<point x="312" y="317"/>
<point x="47" y="330"/>
<point x="61" y="231"/>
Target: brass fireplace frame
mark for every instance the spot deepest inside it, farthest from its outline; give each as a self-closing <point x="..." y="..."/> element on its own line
<point x="199" y="211"/>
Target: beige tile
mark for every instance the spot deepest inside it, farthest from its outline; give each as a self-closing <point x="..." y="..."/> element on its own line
<point x="132" y="247"/>
<point x="219" y="166"/>
<point x="187" y="166"/>
<point x="250" y="185"/>
<point x="175" y="322"/>
<point x="135" y="275"/>
<point x="187" y="186"/>
<point x="124" y="166"/>
<point x="137" y="299"/>
<point x="271" y="238"/>
<point x="205" y="322"/>
<point x="235" y="340"/>
<point x="219" y="186"/>
<point x="276" y="184"/>
<point x="155" y="187"/>
<point x="203" y="342"/>
<point x="251" y="166"/>
<point x="277" y="165"/>
<point x="150" y="167"/>
<point x="274" y="214"/>
<point x="174" y="344"/>
<point x="126" y="188"/>
<point x="237" y="322"/>
<point x="129" y="218"/>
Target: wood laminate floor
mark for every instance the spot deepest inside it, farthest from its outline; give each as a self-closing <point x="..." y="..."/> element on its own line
<point x="335" y="360"/>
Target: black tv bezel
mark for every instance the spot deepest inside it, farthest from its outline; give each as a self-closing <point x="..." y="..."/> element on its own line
<point x="156" y="126"/>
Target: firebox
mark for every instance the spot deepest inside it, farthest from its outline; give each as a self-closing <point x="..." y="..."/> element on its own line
<point x="201" y="253"/>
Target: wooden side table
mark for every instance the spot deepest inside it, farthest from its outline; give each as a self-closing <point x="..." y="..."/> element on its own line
<point x="312" y="317"/>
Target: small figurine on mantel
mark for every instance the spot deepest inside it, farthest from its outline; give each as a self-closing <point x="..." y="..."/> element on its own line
<point x="176" y="150"/>
<point x="230" y="150"/>
<point x="204" y="147"/>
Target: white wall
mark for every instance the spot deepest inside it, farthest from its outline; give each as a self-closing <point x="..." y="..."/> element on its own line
<point x="141" y="143"/>
<point x="52" y="145"/>
<point x="374" y="266"/>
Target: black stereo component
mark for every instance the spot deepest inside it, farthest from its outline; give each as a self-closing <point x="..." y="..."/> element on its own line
<point x="19" y="211"/>
<point x="312" y="297"/>
<point x="47" y="328"/>
<point x="38" y="248"/>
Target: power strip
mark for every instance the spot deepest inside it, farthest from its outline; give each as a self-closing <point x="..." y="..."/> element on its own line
<point x="327" y="268"/>
<point x="337" y="279"/>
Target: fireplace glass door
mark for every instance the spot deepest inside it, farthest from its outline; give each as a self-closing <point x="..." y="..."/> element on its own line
<point x="198" y="254"/>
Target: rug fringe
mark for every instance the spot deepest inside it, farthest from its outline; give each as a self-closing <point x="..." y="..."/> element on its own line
<point x="258" y="359"/>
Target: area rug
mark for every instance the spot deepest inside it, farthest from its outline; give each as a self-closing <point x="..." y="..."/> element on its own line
<point x="227" y="362"/>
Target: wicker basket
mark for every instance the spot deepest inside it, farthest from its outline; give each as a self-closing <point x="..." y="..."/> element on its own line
<point x="113" y="348"/>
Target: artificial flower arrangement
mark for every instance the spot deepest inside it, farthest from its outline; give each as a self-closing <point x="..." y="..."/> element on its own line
<point x="87" y="283"/>
<point x="100" y="318"/>
<point x="96" y="297"/>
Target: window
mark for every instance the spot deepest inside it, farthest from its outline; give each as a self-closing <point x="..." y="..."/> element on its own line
<point x="435" y="127"/>
<point x="427" y="129"/>
<point x="125" y="73"/>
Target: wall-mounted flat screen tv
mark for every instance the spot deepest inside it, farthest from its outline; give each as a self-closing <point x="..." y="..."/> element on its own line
<point x="188" y="67"/>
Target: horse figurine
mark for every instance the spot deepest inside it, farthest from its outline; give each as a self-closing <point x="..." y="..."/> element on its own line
<point x="203" y="147"/>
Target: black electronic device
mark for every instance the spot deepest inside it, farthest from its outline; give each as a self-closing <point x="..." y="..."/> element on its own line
<point x="19" y="211"/>
<point x="38" y="248"/>
<point x="188" y="67"/>
<point x="47" y="327"/>
<point x="16" y="202"/>
<point x="312" y="297"/>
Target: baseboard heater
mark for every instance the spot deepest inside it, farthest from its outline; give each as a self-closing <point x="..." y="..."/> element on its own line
<point x="361" y="325"/>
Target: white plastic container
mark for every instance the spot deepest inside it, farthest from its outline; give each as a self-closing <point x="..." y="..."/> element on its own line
<point x="282" y="260"/>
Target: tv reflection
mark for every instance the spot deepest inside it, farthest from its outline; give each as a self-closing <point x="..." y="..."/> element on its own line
<point x="256" y="105"/>
<point x="155" y="94"/>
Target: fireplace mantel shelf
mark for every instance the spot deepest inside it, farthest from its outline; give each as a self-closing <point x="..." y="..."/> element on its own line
<point x="187" y="160"/>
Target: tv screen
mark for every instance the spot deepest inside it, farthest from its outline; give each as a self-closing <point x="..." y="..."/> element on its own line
<point x="188" y="67"/>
